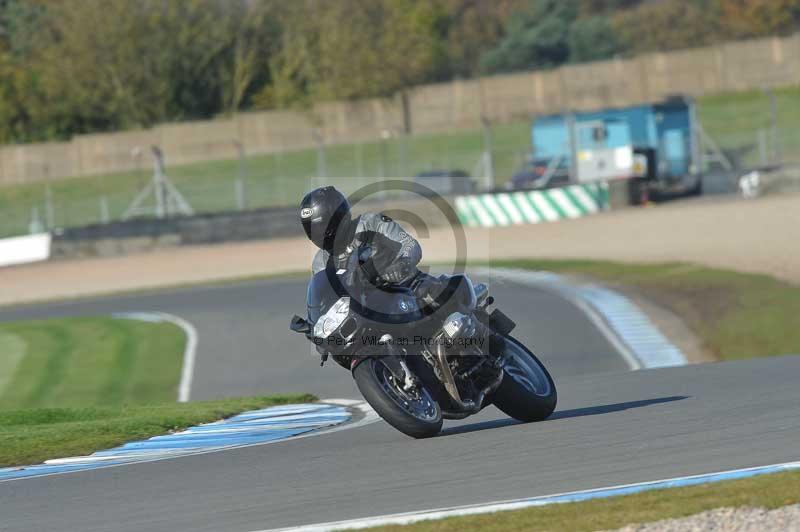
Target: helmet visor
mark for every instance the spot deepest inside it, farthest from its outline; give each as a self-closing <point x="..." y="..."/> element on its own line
<point x="323" y="232"/>
<point x="315" y="232"/>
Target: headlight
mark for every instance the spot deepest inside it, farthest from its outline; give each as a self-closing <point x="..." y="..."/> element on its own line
<point x="331" y="320"/>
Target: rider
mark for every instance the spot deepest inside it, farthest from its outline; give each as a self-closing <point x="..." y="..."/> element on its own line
<point x="328" y="223"/>
<point x="393" y="257"/>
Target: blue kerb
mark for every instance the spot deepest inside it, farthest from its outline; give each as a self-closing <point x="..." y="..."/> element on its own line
<point x="249" y="428"/>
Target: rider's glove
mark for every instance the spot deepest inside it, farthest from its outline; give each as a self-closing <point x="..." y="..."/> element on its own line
<point x="396" y="272"/>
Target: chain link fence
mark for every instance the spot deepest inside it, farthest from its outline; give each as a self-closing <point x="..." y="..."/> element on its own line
<point x="754" y="130"/>
<point x="258" y="181"/>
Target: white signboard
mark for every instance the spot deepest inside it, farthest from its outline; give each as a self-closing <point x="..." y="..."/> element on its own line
<point x="605" y="163"/>
<point x="24" y="249"/>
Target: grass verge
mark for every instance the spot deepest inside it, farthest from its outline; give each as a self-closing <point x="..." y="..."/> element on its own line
<point x="29" y="436"/>
<point x="736" y="315"/>
<point x="92" y="361"/>
<point x="768" y="491"/>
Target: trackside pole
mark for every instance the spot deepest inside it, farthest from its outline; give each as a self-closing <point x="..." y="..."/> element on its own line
<point x="168" y="199"/>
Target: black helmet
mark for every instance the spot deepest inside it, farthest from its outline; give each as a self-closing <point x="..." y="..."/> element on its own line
<point x="324" y="213"/>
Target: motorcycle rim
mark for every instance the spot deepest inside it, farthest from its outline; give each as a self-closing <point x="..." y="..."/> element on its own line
<point x="418" y="402"/>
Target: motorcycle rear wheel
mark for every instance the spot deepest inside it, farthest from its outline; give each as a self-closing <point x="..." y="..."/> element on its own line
<point x="415" y="414"/>
<point x="527" y="392"/>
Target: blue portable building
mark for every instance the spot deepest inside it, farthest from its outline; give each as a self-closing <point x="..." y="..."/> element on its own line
<point x="661" y="136"/>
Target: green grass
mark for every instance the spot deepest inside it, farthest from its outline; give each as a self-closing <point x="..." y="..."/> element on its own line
<point x="733" y="119"/>
<point x="30" y="436"/>
<point x="749" y="110"/>
<point x="736" y="315"/>
<point x="93" y="361"/>
<point x="71" y="386"/>
<point x="767" y="491"/>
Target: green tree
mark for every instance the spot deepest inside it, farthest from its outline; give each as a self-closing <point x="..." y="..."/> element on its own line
<point x="18" y="23"/>
<point x="474" y="27"/>
<point x="757" y="18"/>
<point x="77" y="66"/>
<point x="253" y="33"/>
<point x="668" y="25"/>
<point x="591" y="8"/>
<point x="15" y="86"/>
<point x="19" y="88"/>
<point x="535" y="38"/>
<point x="113" y="64"/>
<point x="354" y="49"/>
<point x="591" y="39"/>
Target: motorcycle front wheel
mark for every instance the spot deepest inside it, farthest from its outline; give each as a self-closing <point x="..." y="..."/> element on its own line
<point x="414" y="413"/>
<point x="527" y="392"/>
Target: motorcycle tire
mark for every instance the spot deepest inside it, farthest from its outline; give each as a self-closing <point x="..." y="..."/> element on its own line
<point x="418" y="418"/>
<point x="527" y="392"/>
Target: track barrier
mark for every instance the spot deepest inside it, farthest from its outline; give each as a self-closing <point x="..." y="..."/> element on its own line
<point x="24" y="249"/>
<point x="533" y="206"/>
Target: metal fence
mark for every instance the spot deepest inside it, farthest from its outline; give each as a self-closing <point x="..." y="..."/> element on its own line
<point x="753" y="130"/>
<point x="250" y="182"/>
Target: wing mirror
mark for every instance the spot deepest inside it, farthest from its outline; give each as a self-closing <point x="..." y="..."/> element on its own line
<point x="299" y="325"/>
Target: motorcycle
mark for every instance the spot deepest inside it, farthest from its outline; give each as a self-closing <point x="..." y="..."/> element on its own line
<point x="418" y="362"/>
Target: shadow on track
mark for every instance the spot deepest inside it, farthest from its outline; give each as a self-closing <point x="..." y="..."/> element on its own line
<point x="564" y="414"/>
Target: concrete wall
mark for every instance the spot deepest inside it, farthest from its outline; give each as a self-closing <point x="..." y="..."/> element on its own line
<point x="754" y="64"/>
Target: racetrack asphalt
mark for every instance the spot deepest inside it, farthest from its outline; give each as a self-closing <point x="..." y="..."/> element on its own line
<point x="612" y="426"/>
<point x="609" y="429"/>
<point x="245" y="346"/>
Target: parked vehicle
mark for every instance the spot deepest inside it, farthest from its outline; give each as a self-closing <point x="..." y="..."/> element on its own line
<point x="446" y="182"/>
<point x="655" y="146"/>
<point x="539" y="172"/>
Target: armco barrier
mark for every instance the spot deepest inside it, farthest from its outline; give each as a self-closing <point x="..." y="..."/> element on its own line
<point x="24" y="249"/>
<point x="532" y="206"/>
<point x="147" y="234"/>
<point x="486" y="210"/>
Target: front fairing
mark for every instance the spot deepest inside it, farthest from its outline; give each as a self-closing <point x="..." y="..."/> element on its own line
<point x="389" y="308"/>
<point x="370" y="306"/>
<point x="321" y="295"/>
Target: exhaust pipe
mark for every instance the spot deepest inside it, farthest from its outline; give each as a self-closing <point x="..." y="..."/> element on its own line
<point x="469" y="406"/>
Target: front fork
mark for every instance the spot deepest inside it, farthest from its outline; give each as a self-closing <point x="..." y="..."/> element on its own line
<point x="394" y="362"/>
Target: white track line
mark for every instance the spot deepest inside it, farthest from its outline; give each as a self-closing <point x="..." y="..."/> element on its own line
<point x="559" y="498"/>
<point x="553" y="283"/>
<point x="620" y="321"/>
<point x="189" y="352"/>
